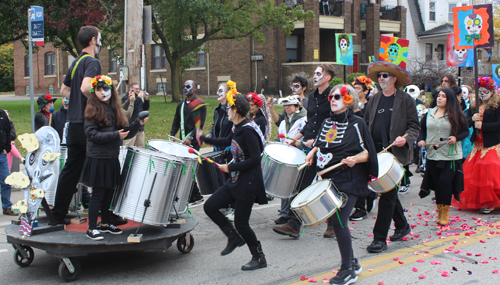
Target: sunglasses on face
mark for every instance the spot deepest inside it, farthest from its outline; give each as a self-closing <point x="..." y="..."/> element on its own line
<point x="186" y="87"/>
<point x="334" y="96"/>
<point x="384" y="75"/>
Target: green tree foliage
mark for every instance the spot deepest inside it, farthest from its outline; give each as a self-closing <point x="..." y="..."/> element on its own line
<point x="7" y="67"/>
<point x="177" y="23"/>
<point x="336" y="81"/>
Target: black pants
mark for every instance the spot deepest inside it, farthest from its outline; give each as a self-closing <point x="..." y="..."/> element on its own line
<point x="99" y="200"/>
<point x="195" y="191"/>
<point x="242" y="210"/>
<point x="343" y="233"/>
<point x="389" y="208"/>
<point x="361" y="201"/>
<point x="70" y="174"/>
<point x="306" y="182"/>
<point x="442" y="175"/>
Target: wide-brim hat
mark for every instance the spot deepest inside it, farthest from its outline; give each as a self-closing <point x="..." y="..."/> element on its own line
<point x="290" y="100"/>
<point x="44" y="100"/>
<point x="403" y="76"/>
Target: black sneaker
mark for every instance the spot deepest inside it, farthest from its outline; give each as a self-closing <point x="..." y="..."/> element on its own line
<point x="486" y="210"/>
<point x="400" y="233"/>
<point x="377" y="246"/>
<point x="281" y="221"/>
<point x="356" y="266"/>
<point x="358" y="215"/>
<point x="94" y="234"/>
<point x="344" y="277"/>
<point x="110" y="228"/>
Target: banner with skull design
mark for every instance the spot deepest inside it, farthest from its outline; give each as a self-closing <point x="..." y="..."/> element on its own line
<point x="394" y="50"/>
<point x="344" y="49"/>
<point x="495" y="68"/>
<point x="473" y="26"/>
<point x="460" y="57"/>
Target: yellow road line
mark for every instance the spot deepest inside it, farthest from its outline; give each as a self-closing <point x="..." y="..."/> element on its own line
<point x="407" y="255"/>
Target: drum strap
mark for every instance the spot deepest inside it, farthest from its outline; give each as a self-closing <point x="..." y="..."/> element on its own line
<point x="183" y="132"/>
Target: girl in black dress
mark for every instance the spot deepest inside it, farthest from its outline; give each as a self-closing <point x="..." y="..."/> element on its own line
<point x="104" y="127"/>
<point x="246" y="185"/>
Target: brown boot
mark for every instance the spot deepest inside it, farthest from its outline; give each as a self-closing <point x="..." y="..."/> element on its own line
<point x="286" y="230"/>
<point x="440" y="207"/>
<point x="445" y="215"/>
<point x="329" y="233"/>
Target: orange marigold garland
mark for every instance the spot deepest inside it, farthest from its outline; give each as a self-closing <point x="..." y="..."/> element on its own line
<point x="345" y="95"/>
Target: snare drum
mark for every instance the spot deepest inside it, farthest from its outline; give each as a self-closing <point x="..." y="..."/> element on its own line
<point x="209" y="176"/>
<point x="147" y="176"/>
<point x="190" y="166"/>
<point x="316" y="203"/>
<point x="280" y="171"/>
<point x="390" y="173"/>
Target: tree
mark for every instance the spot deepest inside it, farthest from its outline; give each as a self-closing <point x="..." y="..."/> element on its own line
<point x="13" y="19"/>
<point x="7" y="67"/>
<point x="177" y="23"/>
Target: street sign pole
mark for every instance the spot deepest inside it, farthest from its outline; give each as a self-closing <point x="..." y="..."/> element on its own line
<point x="31" y="72"/>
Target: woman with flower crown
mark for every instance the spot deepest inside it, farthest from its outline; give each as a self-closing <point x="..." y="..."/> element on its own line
<point x="341" y="137"/>
<point x="481" y="168"/>
<point x="363" y="86"/>
<point x="245" y="186"/>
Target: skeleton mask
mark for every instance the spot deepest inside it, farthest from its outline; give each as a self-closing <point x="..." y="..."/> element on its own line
<point x="188" y="88"/>
<point x="465" y="93"/>
<point x="461" y="54"/>
<point x="484" y="93"/>
<point x="393" y="52"/>
<point x="318" y="75"/>
<point x="413" y="90"/>
<point x="473" y="24"/>
<point x="221" y="93"/>
<point x="343" y="46"/>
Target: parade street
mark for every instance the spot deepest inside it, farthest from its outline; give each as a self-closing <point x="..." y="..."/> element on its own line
<point x="461" y="255"/>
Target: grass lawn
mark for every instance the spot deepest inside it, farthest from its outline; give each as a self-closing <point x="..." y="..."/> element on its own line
<point x="161" y="116"/>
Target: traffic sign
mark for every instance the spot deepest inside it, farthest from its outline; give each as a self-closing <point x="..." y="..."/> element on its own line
<point x="36" y="20"/>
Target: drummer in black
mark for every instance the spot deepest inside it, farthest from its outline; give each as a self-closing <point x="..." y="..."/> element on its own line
<point x="318" y="109"/>
<point x="341" y="138"/>
<point x="246" y="185"/>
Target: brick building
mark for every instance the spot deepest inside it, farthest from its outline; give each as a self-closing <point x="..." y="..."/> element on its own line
<point x="279" y="59"/>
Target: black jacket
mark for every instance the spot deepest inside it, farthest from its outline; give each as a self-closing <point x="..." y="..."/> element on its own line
<point x="59" y="120"/>
<point x="188" y="122"/>
<point x="490" y="126"/>
<point x="318" y="109"/>
<point x="261" y="121"/>
<point x="41" y="120"/>
<point x="139" y="106"/>
<point x="12" y="131"/>
<point x="5" y="132"/>
<point x="225" y="125"/>
<point x="104" y="142"/>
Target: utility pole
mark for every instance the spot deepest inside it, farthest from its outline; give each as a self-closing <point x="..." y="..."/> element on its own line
<point x="133" y="34"/>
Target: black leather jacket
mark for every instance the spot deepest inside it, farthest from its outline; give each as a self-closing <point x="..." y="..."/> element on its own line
<point x="104" y="142"/>
<point x="224" y="124"/>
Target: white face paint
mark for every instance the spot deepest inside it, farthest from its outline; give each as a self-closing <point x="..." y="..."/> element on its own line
<point x="318" y="75"/>
<point x="106" y="94"/>
<point x="221" y="93"/>
<point x="188" y="88"/>
<point x="484" y="93"/>
<point x="230" y="113"/>
<point x="295" y="88"/>
<point x="98" y="44"/>
<point x="465" y="93"/>
<point x="337" y="105"/>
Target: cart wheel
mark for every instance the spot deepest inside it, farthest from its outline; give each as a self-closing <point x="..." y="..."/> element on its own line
<point x="182" y="246"/>
<point x="23" y="262"/>
<point x="64" y="272"/>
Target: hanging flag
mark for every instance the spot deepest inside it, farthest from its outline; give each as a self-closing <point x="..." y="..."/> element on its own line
<point x="473" y="26"/>
<point x="495" y="68"/>
<point x="458" y="58"/>
<point x="394" y="50"/>
<point x="344" y="49"/>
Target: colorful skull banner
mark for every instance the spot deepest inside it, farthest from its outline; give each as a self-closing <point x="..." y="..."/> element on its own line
<point x="495" y="68"/>
<point x="394" y="50"/>
<point x="460" y="57"/>
<point x="344" y="49"/>
<point x="473" y="26"/>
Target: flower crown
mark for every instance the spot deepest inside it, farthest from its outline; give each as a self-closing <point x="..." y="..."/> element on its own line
<point x="486" y="82"/>
<point x="363" y="80"/>
<point x="231" y="93"/>
<point x="100" y="78"/>
<point x="345" y="96"/>
<point x="253" y="97"/>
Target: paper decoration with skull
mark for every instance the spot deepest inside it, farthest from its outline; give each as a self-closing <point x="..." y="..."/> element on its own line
<point x="458" y="58"/>
<point x="344" y="49"/>
<point x="495" y="68"/>
<point x="473" y="26"/>
<point x="394" y="50"/>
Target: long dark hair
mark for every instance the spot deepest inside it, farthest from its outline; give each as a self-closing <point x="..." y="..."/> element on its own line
<point x="454" y="111"/>
<point x="97" y="112"/>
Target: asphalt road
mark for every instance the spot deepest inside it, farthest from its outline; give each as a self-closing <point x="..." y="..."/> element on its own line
<point x="289" y="259"/>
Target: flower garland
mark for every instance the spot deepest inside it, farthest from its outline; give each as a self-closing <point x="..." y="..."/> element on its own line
<point x="345" y="95"/>
<point x="253" y="97"/>
<point x="486" y="82"/>
<point x="231" y="93"/>
<point x="100" y="78"/>
<point x="363" y="80"/>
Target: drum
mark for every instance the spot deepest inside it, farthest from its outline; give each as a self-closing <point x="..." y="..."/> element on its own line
<point x="64" y="155"/>
<point x="209" y="176"/>
<point x="190" y="166"/>
<point x="121" y="156"/>
<point x="316" y="203"/>
<point x="390" y="173"/>
<point x="148" y="177"/>
<point x="280" y="169"/>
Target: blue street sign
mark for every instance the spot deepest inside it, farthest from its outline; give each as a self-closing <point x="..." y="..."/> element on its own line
<point x="36" y="14"/>
<point x="37" y="25"/>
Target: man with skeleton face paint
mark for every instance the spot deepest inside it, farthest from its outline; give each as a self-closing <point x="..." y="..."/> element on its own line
<point x="77" y="83"/>
<point x="222" y="126"/>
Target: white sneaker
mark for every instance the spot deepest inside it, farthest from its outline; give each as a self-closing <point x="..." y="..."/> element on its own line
<point x="404" y="189"/>
<point x="230" y="216"/>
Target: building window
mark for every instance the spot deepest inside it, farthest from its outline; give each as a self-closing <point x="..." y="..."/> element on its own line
<point x="440" y="52"/>
<point x="200" y="58"/>
<point x="159" y="57"/>
<point x="50" y="63"/>
<point x="162" y="88"/>
<point x="112" y="62"/>
<point x="428" y="52"/>
<point x="432" y="11"/>
<point x="450" y="11"/>
<point x="292" y="48"/>
<point x="26" y="66"/>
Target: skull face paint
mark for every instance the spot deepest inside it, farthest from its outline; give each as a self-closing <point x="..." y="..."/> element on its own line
<point x="318" y="76"/>
<point x="461" y="54"/>
<point x="188" y="88"/>
<point x="106" y="94"/>
<point x="484" y="94"/>
<point x="343" y="46"/>
<point x="230" y="113"/>
<point x="221" y="93"/>
<point x="473" y="24"/>
<point x="295" y="88"/>
<point x="337" y="105"/>
<point x="98" y="44"/>
<point x="465" y="93"/>
<point x="393" y="52"/>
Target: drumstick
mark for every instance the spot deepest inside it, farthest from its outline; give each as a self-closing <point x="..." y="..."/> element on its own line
<point x="387" y="148"/>
<point x="303" y="166"/>
<point x="192" y="150"/>
<point x="340" y="164"/>
<point x="178" y="139"/>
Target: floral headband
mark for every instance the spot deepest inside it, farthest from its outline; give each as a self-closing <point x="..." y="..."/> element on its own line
<point x="345" y="96"/>
<point x="363" y="80"/>
<point x="486" y="82"/>
<point x="231" y="93"/>
<point x="253" y="97"/>
<point x="100" y="78"/>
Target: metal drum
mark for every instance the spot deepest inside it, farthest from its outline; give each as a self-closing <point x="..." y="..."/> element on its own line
<point x="390" y="173"/>
<point x="121" y="156"/>
<point x="190" y="167"/>
<point x="316" y="203"/>
<point x="280" y="171"/>
<point x="209" y="176"/>
<point x="147" y="176"/>
<point x="64" y="155"/>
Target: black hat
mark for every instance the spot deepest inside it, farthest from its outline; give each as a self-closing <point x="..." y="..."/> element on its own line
<point x="44" y="100"/>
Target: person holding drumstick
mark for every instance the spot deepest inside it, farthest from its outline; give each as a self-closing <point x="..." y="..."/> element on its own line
<point x="391" y="114"/>
<point x="246" y="185"/>
<point x="342" y="136"/>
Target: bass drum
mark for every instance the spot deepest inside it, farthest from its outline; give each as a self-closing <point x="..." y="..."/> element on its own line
<point x="209" y="176"/>
<point x="148" y="177"/>
<point x="390" y="173"/>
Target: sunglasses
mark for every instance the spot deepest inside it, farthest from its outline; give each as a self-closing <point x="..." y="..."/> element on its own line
<point x="186" y="87"/>
<point x="296" y="86"/>
<point x="334" y="96"/>
<point x="384" y="75"/>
